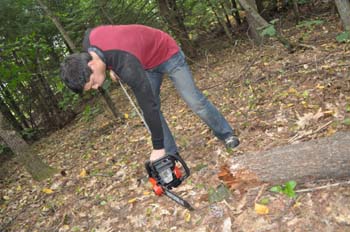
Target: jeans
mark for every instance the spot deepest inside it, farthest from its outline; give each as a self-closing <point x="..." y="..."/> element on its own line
<point x="180" y="74"/>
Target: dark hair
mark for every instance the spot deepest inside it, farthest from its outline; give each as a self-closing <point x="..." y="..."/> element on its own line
<point x="75" y="72"/>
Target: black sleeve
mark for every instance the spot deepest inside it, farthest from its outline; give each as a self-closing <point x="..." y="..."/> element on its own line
<point x="130" y="70"/>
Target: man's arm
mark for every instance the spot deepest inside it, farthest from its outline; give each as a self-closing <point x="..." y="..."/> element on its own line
<point x="132" y="73"/>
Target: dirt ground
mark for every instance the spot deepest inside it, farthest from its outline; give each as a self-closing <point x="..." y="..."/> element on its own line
<point x="270" y="96"/>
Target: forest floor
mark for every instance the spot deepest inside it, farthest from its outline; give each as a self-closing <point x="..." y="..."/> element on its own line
<point x="270" y="96"/>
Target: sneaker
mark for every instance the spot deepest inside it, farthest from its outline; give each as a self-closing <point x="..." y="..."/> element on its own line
<point x="231" y="142"/>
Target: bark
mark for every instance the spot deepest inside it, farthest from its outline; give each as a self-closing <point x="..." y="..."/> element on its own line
<point x="254" y="24"/>
<point x="259" y="22"/>
<point x="313" y="160"/>
<point x="33" y="164"/>
<point x="344" y="12"/>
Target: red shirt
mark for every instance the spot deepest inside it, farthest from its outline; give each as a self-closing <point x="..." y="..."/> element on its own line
<point x="151" y="46"/>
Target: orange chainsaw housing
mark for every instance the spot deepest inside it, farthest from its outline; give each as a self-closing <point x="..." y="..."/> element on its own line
<point x="158" y="190"/>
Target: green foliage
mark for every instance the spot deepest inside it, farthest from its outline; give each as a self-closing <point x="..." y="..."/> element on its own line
<point x="265" y="201"/>
<point x="309" y="24"/>
<point x="89" y="112"/>
<point x="343" y="37"/>
<point x="346" y="121"/>
<point x="286" y="189"/>
<point x="69" y="99"/>
<point x="2" y="148"/>
<point x="347" y="108"/>
<point x="29" y="133"/>
<point x="218" y="194"/>
<point x="269" y="31"/>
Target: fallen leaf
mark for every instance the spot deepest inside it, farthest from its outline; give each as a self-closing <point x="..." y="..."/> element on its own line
<point x="261" y="209"/>
<point x="47" y="190"/>
<point x="83" y="173"/>
<point x="319" y="86"/>
<point x="187" y="216"/>
<point x="306" y="119"/>
<point x="132" y="200"/>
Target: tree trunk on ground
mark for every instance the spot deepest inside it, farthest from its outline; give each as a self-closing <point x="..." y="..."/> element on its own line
<point x="37" y="168"/>
<point x="313" y="160"/>
<point x="344" y="11"/>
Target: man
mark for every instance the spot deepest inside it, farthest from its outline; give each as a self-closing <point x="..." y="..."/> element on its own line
<point x="140" y="56"/>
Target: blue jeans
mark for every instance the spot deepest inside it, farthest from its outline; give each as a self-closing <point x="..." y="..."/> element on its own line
<point x="180" y="74"/>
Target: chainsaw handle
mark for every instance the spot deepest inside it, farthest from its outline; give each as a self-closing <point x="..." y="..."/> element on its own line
<point x="148" y="168"/>
<point x="177" y="157"/>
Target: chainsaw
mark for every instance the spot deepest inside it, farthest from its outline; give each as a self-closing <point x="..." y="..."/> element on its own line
<point x="166" y="173"/>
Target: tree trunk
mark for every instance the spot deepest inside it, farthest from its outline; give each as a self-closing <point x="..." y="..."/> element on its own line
<point x="316" y="159"/>
<point x="259" y="6"/>
<point x="169" y="11"/>
<point x="8" y="97"/>
<point x="56" y="116"/>
<point x="253" y="23"/>
<point x="344" y="11"/>
<point x="117" y="115"/>
<point x="34" y="165"/>
<point x="296" y="10"/>
<point x="235" y="12"/>
<point x="57" y="23"/>
<point x="74" y="49"/>
<point x="260" y="22"/>
<point x="220" y="19"/>
<point x="8" y="115"/>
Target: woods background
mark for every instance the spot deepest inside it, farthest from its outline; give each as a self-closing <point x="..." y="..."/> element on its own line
<point x="278" y="70"/>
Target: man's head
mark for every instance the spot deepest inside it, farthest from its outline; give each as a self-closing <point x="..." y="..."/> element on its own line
<point x="83" y="71"/>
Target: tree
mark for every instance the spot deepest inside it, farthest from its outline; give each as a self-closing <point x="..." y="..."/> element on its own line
<point x="33" y="164"/>
<point x="259" y="23"/>
<point x="219" y="10"/>
<point x="343" y="7"/>
<point x="316" y="159"/>
<point x="171" y="13"/>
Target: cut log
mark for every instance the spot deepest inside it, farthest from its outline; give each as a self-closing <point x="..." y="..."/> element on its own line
<point x="316" y="159"/>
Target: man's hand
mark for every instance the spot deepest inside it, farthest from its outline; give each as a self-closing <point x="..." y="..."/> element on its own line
<point x="157" y="154"/>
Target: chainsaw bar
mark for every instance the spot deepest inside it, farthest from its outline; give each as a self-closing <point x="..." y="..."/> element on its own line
<point x="178" y="199"/>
